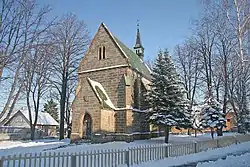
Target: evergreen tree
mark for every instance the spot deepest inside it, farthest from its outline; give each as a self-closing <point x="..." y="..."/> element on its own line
<point x="168" y="105"/>
<point x="51" y="108"/>
<point x="247" y="123"/>
<point x="212" y="115"/>
<point x="196" y="119"/>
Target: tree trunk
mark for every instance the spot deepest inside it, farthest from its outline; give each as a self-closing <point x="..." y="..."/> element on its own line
<point x="212" y="132"/>
<point x="219" y="131"/>
<point x="166" y="134"/>
<point x="69" y="132"/>
<point x="32" y="132"/>
<point x="1" y="72"/>
<point x="195" y="133"/>
<point x="62" y="107"/>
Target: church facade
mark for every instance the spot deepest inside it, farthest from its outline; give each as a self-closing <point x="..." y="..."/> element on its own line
<point x="112" y="81"/>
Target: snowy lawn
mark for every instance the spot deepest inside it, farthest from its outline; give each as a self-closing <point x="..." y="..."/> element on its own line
<point x="54" y="145"/>
<point x="237" y="161"/>
<point x="206" y="155"/>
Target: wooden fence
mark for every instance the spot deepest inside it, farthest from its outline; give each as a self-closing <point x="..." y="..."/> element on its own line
<point x="115" y="158"/>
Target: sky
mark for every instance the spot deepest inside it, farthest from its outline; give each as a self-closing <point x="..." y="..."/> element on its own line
<point x="163" y="23"/>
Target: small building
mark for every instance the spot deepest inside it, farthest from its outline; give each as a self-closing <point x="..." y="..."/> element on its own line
<point x="231" y="122"/>
<point x="45" y="121"/>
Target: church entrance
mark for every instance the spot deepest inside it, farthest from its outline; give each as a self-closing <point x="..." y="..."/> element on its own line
<point x="87" y="126"/>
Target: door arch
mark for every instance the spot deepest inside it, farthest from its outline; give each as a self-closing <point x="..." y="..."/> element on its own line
<point x="87" y="126"/>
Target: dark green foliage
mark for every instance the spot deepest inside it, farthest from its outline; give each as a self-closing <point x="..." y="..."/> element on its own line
<point x="168" y="105"/>
<point x="212" y="115"/>
<point x="51" y="108"/>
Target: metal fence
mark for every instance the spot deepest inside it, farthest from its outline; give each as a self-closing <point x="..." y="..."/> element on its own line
<point x="114" y="158"/>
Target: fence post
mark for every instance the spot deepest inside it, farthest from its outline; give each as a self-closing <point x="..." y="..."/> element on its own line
<point x="127" y="157"/>
<point x="217" y="143"/>
<point x="73" y="160"/>
<point x="195" y="147"/>
<point x="236" y="142"/>
<point x="166" y="151"/>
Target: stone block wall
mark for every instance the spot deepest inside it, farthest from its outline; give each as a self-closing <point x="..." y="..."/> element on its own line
<point x="129" y="121"/>
<point x="112" y="81"/>
<point x="107" y="121"/>
<point x="113" y="56"/>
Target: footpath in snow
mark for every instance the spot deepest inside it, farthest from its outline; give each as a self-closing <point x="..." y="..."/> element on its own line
<point x="210" y="155"/>
<point x="229" y="161"/>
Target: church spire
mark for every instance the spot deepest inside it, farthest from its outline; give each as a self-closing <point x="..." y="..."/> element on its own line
<point x="139" y="50"/>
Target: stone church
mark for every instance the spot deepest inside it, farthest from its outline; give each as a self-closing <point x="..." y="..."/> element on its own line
<point x="112" y="81"/>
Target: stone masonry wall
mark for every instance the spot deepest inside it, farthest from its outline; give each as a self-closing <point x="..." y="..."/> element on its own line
<point x="85" y="102"/>
<point x="113" y="56"/>
<point x="112" y="80"/>
<point x="107" y="121"/>
<point x="135" y="122"/>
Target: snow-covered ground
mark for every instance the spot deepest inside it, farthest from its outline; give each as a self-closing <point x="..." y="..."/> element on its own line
<point x="236" y="161"/>
<point x="49" y="145"/>
<point x="208" y="155"/>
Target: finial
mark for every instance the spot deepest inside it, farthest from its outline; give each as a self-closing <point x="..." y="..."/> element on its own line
<point x="138" y="24"/>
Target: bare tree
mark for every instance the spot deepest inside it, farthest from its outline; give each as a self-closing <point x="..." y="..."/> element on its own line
<point x="187" y="59"/>
<point x="36" y="80"/>
<point x="238" y="15"/>
<point x="205" y="39"/>
<point x="70" y="39"/>
<point x="225" y="43"/>
<point x="21" y="24"/>
<point x="11" y="15"/>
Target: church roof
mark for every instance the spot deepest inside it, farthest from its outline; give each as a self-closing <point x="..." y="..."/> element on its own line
<point x="133" y="59"/>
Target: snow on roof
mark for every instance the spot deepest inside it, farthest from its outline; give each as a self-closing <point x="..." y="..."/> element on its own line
<point x="42" y="119"/>
<point x="146" y="83"/>
<point x="140" y="111"/>
<point x="149" y="69"/>
<point x="101" y="93"/>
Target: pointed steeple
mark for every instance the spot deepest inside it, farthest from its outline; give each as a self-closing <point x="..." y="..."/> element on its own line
<point x="138" y="38"/>
<point x="139" y="50"/>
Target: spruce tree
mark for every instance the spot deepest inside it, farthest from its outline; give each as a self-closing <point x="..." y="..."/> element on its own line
<point x="51" y="108"/>
<point x="212" y="115"/>
<point x="168" y="105"/>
